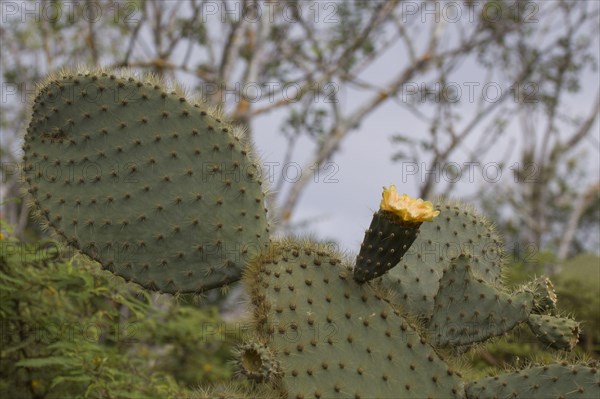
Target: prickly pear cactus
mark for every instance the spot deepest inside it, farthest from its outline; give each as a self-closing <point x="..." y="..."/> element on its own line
<point x="336" y="338"/>
<point x="164" y="192"/>
<point x="144" y="180"/>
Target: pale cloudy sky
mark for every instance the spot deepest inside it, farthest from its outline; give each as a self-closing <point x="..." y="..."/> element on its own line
<point x="342" y="200"/>
<point x="343" y="210"/>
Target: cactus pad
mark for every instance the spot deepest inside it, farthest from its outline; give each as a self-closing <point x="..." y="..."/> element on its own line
<point x="143" y="180"/>
<point x="336" y="338"/>
<point x="456" y="230"/>
<point x="553" y="381"/>
<point x="468" y="310"/>
<point x="555" y="332"/>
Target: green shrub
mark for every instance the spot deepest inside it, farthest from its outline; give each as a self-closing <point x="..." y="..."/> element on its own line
<point x="70" y="329"/>
<point x="578" y="286"/>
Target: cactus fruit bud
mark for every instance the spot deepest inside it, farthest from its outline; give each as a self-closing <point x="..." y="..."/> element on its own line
<point x="392" y="231"/>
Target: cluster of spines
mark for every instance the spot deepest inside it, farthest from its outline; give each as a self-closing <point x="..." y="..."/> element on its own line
<point x="255" y="362"/>
<point x="544" y="295"/>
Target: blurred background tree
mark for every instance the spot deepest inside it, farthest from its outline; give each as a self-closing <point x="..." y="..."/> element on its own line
<point x="269" y="59"/>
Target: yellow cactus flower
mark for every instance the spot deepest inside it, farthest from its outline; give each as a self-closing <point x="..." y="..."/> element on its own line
<point x="406" y="208"/>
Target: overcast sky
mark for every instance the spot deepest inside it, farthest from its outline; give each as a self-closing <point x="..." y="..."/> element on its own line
<point x="342" y="210"/>
<point x="342" y="199"/>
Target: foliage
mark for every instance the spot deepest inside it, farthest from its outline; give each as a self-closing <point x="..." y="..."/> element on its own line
<point x="69" y="329"/>
<point x="578" y="285"/>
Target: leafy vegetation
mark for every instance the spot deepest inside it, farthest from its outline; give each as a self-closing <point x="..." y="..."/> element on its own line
<point x="69" y="329"/>
<point x="578" y="286"/>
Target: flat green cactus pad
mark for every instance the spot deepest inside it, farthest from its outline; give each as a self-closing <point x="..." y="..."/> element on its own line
<point x="152" y="186"/>
<point x="336" y="338"/>
<point x="555" y="332"/>
<point x="457" y="229"/>
<point x="468" y="310"/>
<point x="553" y="381"/>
